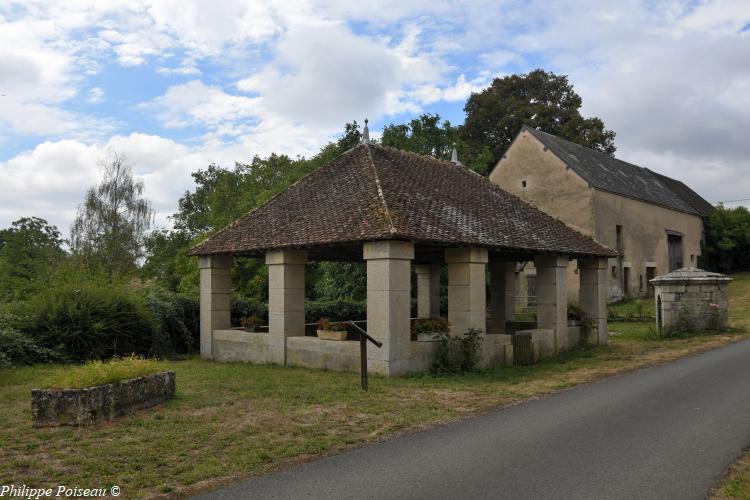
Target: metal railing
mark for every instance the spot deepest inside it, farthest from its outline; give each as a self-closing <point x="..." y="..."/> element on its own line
<point x="363" y="338"/>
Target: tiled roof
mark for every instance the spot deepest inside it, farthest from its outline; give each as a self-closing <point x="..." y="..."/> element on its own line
<point x="373" y="192"/>
<point x="606" y="173"/>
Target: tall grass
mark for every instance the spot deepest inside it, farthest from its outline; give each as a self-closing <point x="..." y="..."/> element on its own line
<point x="104" y="372"/>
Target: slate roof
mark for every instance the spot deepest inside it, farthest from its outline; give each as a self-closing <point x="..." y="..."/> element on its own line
<point x="373" y="193"/>
<point x="688" y="195"/>
<point x="606" y="173"/>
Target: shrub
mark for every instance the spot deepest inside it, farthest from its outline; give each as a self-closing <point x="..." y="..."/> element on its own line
<point x="91" y="323"/>
<point x="177" y="321"/>
<point x="336" y="310"/>
<point x="244" y="307"/>
<point x="250" y="321"/>
<point x="104" y="372"/>
<point x="455" y="354"/>
<point x="17" y="348"/>
<point x="430" y="325"/>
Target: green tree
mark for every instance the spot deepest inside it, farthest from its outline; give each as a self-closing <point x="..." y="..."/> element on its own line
<point x="539" y="99"/>
<point x="425" y="135"/>
<point x="110" y="226"/>
<point x="30" y="252"/>
<point x="219" y="197"/>
<point x="727" y="240"/>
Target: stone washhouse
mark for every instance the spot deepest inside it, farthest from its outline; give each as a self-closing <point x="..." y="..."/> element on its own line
<point x="691" y="299"/>
<point x="396" y="211"/>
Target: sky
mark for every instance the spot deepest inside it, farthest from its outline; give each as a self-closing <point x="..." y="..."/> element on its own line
<point x="179" y="84"/>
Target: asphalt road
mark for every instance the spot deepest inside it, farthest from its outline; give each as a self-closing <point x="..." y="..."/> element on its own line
<point x="664" y="432"/>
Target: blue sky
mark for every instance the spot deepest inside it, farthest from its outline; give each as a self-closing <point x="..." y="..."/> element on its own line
<point x="176" y="85"/>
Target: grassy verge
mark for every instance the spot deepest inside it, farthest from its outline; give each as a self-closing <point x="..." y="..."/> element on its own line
<point x="233" y="420"/>
<point x="98" y="373"/>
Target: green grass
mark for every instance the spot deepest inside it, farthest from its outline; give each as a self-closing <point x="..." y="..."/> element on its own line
<point x="103" y="372"/>
<point x="233" y="420"/>
<point x="640" y="309"/>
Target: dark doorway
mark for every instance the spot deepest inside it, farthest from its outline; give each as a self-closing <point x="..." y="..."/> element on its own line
<point x="659" y="318"/>
<point x="674" y="251"/>
<point x="626" y="281"/>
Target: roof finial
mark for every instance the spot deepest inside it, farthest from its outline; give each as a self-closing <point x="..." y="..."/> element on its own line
<point x="366" y="134"/>
<point x="454" y="155"/>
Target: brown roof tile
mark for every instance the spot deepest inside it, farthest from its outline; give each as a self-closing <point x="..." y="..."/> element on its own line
<point x="373" y="192"/>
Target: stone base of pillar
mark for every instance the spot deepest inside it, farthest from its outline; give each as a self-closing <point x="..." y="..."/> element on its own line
<point x="593" y="292"/>
<point x="467" y="296"/>
<point x="389" y="305"/>
<point x="286" y="300"/>
<point x="215" y="294"/>
<point x="502" y="295"/>
<point x="552" y="297"/>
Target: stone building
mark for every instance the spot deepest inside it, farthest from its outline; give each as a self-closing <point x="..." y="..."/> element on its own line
<point x="399" y="211"/>
<point x="654" y="222"/>
<point x="691" y="300"/>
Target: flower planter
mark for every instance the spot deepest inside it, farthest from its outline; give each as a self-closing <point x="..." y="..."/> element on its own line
<point x="55" y="407"/>
<point x="332" y="335"/>
<point x="428" y="336"/>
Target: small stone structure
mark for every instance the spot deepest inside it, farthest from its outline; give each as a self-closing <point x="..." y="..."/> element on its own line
<point x="691" y="299"/>
<point x="55" y="407"/>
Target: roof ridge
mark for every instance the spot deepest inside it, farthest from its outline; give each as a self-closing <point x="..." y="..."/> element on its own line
<point x="242" y="217"/>
<point x="381" y="195"/>
<point x="557" y="145"/>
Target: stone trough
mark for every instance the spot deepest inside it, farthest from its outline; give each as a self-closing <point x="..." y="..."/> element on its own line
<point x="56" y="407"/>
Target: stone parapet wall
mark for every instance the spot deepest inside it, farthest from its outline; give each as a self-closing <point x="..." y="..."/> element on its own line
<point x="691" y="300"/>
<point x="56" y="407"/>
<point x="312" y="352"/>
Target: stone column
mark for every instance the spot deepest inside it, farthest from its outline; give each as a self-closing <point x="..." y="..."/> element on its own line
<point x="286" y="300"/>
<point x="428" y="291"/>
<point x="389" y="305"/>
<point x="502" y="295"/>
<point x="467" y="294"/>
<point x="592" y="273"/>
<point x="215" y="297"/>
<point x="552" y="297"/>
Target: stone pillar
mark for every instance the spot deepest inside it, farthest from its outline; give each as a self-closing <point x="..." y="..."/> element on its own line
<point x="286" y="300"/>
<point x="215" y="298"/>
<point x="552" y="297"/>
<point x="592" y="273"/>
<point x="428" y="291"/>
<point x="389" y="305"/>
<point x="502" y="295"/>
<point x="467" y="294"/>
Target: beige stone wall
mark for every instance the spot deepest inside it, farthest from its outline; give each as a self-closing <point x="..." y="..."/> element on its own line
<point x="644" y="228"/>
<point x="550" y="185"/>
<point x="690" y="306"/>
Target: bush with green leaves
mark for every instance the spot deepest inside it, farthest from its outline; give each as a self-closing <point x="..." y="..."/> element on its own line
<point x="245" y="307"/>
<point x="95" y="322"/>
<point x="17" y="348"/>
<point x="177" y="321"/>
<point x="454" y="354"/>
<point x="335" y="310"/>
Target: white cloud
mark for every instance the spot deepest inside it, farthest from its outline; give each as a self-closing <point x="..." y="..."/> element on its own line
<point x="197" y="103"/>
<point x="95" y="95"/>
<point x="670" y="78"/>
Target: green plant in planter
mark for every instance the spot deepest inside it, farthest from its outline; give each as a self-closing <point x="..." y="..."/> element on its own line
<point x="328" y="330"/>
<point x="251" y="323"/>
<point x="576" y="313"/>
